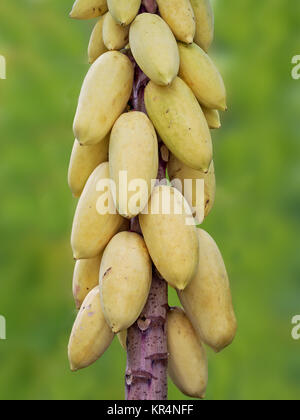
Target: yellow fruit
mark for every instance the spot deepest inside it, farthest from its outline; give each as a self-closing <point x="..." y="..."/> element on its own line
<point x="85" y="278"/>
<point x="91" y="335"/>
<point x="88" y="9"/>
<point x="188" y="367"/>
<point x="115" y="36"/>
<point x="104" y="96"/>
<point x="125" y="280"/>
<point x="207" y="300"/>
<point x="96" y="44"/>
<point x="133" y="162"/>
<point x="199" y="72"/>
<point x="201" y="204"/>
<point x="180" y="122"/>
<point x="122" y="337"/>
<point x="212" y="117"/>
<point x="84" y="160"/>
<point x="179" y="15"/>
<point x="96" y="220"/>
<point x="154" y="48"/>
<point x="124" y="11"/>
<point x="204" y="23"/>
<point x="171" y="241"/>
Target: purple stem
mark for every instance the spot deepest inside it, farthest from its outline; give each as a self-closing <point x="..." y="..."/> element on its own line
<point x="147" y="352"/>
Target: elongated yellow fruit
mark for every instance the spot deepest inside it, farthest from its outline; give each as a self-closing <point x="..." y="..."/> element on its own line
<point x="115" y="36"/>
<point x="125" y="280"/>
<point x="133" y="162"/>
<point x="85" y="278"/>
<point x="204" y="23"/>
<point x="84" y="159"/>
<point x="91" y="335"/>
<point x="171" y="241"/>
<point x="212" y="117"/>
<point x="154" y="48"/>
<point x="88" y="9"/>
<point x="179" y="15"/>
<point x="207" y="300"/>
<point x="199" y="202"/>
<point x="104" y="96"/>
<point x="124" y="11"/>
<point x="199" y="72"/>
<point x="188" y="366"/>
<point x="96" y="44"/>
<point x="96" y="220"/>
<point x="180" y="122"/>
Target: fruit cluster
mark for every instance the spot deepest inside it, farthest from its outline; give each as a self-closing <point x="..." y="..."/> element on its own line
<point x="168" y="41"/>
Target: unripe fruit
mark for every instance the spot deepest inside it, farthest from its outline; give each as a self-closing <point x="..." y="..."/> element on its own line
<point x="171" y="241"/>
<point x="204" y="16"/>
<point x="125" y="280"/>
<point x="104" y="95"/>
<point x="188" y="367"/>
<point x="212" y="117"/>
<point x="88" y="9"/>
<point x="115" y="36"/>
<point x="134" y="149"/>
<point x="85" y="278"/>
<point x="84" y="160"/>
<point x="202" y="76"/>
<point x="179" y="15"/>
<point x="154" y="48"/>
<point x="122" y="337"/>
<point x="207" y="300"/>
<point x="96" y="44"/>
<point x="124" y="11"/>
<point x="96" y="220"/>
<point x="180" y="122"/>
<point x="91" y="335"/>
<point x="178" y="170"/>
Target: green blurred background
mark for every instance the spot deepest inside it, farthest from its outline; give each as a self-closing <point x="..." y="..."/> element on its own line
<point x="255" y="221"/>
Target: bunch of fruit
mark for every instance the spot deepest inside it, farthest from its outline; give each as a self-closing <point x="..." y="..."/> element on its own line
<point x="182" y="93"/>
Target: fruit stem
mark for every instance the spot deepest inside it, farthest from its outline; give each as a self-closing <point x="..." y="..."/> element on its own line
<point x="147" y="352"/>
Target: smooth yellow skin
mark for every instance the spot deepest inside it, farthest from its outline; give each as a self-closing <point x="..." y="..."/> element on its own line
<point x="204" y="16"/>
<point x="96" y="45"/>
<point x="207" y="300"/>
<point x="84" y="159"/>
<point x="104" y="96"/>
<point x="202" y="76"/>
<point x="180" y="122"/>
<point x="88" y="9"/>
<point x="133" y="148"/>
<point x="122" y="337"/>
<point x="91" y="230"/>
<point x="172" y="243"/>
<point x="115" y="36"/>
<point x="212" y="117"/>
<point x="154" y="48"/>
<point x="91" y="335"/>
<point x="85" y="278"/>
<point x="125" y="280"/>
<point x="179" y="15"/>
<point x="188" y="367"/>
<point x="178" y="170"/>
<point x="124" y="11"/>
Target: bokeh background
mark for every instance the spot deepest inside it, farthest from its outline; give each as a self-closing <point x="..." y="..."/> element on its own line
<point x="255" y="221"/>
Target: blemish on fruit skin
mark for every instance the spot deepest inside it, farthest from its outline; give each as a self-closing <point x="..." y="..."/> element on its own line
<point x="107" y="271"/>
<point x="90" y="314"/>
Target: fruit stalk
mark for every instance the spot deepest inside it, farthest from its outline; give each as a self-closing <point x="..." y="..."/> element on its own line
<point x="147" y="353"/>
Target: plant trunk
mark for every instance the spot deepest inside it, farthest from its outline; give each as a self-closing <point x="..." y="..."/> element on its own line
<point x="147" y="353"/>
